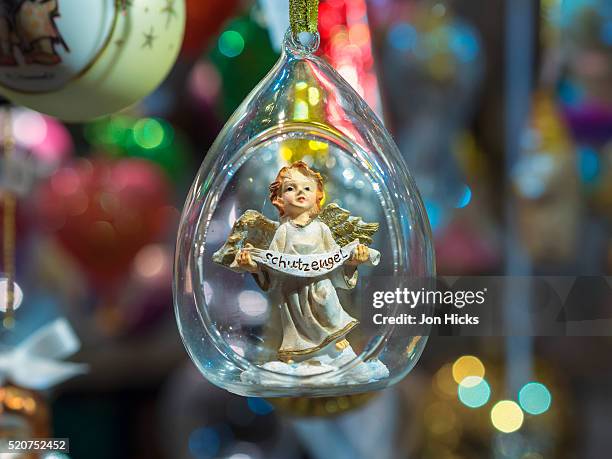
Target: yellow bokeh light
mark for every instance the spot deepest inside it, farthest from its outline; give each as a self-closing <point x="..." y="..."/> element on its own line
<point x="14" y="403"/>
<point x="444" y="381"/>
<point x="286" y="153"/>
<point x="359" y="34"/>
<point x="300" y="111"/>
<point x="339" y="37"/>
<point x="507" y="416"/>
<point x="29" y="405"/>
<point x="468" y="365"/>
<point x="441" y="68"/>
<point x="316" y="145"/>
<point x="314" y="95"/>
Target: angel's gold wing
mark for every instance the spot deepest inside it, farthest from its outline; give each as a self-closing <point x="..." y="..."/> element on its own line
<point x="346" y="228"/>
<point x="251" y="228"/>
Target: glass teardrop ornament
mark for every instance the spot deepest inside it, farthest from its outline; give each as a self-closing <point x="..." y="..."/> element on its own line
<point x="342" y="206"/>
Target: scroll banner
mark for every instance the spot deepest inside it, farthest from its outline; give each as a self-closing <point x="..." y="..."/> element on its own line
<point x="314" y="265"/>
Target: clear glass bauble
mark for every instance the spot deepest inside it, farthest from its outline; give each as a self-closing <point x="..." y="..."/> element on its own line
<point x="302" y="111"/>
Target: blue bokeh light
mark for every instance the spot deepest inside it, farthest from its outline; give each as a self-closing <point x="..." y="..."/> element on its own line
<point x="259" y="406"/>
<point x="403" y="37"/>
<point x="204" y="442"/>
<point x="465" y="197"/>
<point x="474" y="392"/>
<point x="535" y="398"/>
<point x="588" y="164"/>
<point x="570" y="93"/>
<point x="464" y="43"/>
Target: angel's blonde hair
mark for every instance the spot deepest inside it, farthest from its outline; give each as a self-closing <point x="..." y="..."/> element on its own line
<point x="276" y="187"/>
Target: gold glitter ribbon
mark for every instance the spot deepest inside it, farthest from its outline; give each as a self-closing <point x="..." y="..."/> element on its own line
<point x="9" y="204"/>
<point x="304" y="16"/>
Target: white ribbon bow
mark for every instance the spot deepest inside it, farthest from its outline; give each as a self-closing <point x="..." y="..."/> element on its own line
<point x="36" y="362"/>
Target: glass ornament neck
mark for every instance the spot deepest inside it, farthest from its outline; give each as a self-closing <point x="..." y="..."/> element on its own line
<point x="301" y="44"/>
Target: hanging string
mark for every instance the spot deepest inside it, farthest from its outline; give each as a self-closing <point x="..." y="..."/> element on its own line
<point x="304" y="16"/>
<point x="8" y="220"/>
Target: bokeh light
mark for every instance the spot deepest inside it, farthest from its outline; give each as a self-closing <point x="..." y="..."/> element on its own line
<point x="468" y="365"/>
<point x="402" y="37"/>
<point x="204" y="442"/>
<point x="465" y="197"/>
<point x="474" y="392"/>
<point x="512" y="445"/>
<point x="57" y="145"/>
<point x="464" y="43"/>
<point x="148" y="133"/>
<point x="205" y="82"/>
<point x="154" y="139"/>
<point x="259" y="406"/>
<point x="444" y="382"/>
<point x="535" y="398"/>
<point x="17" y="295"/>
<point x="507" y="416"/>
<point x="152" y="260"/>
<point x="231" y="43"/>
<point x="240" y="456"/>
<point x="359" y="34"/>
<point x="347" y="44"/>
<point x="588" y="164"/>
<point x="252" y="303"/>
<point x="29" y="128"/>
<point x="301" y="110"/>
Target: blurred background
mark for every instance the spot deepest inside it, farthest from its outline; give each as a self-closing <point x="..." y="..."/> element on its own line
<point x="503" y="111"/>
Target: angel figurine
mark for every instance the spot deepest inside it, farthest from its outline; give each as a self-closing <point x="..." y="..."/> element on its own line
<point x="301" y="262"/>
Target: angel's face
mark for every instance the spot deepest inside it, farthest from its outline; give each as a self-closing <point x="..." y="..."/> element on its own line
<point x="299" y="194"/>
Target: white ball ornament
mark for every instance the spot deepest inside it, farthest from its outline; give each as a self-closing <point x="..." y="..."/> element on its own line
<point x="80" y="60"/>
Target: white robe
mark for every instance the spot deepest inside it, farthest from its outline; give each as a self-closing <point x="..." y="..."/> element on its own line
<point x="311" y="314"/>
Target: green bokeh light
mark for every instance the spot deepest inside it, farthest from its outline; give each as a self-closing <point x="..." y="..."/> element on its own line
<point x="535" y="398"/>
<point x="148" y="133"/>
<point x="474" y="392"/>
<point x="154" y="139"/>
<point x="108" y="131"/>
<point x="231" y="43"/>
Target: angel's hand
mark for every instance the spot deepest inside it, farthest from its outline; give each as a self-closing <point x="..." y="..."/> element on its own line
<point x="244" y="260"/>
<point x="361" y="254"/>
